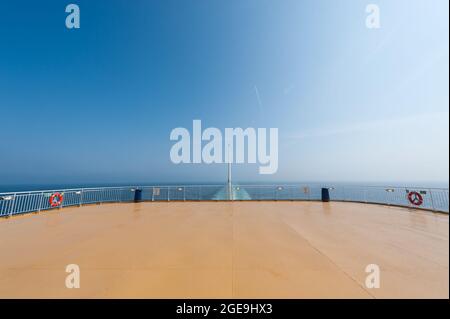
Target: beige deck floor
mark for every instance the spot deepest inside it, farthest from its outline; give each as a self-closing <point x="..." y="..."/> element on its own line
<point x="226" y="250"/>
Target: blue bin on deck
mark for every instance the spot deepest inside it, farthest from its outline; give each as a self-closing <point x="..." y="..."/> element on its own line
<point x="325" y="195"/>
<point x="137" y="195"/>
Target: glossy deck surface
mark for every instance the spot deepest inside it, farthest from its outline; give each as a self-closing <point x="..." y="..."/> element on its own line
<point x="226" y="250"/>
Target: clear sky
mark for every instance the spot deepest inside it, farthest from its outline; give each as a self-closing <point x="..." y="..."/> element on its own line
<point x="97" y="104"/>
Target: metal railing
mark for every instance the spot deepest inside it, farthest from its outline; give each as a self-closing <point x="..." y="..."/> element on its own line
<point x="435" y="199"/>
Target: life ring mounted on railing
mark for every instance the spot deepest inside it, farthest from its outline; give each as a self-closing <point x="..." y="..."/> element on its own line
<point x="56" y="199"/>
<point x="415" y="198"/>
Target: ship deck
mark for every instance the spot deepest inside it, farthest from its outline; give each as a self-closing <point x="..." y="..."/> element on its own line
<point x="226" y="250"/>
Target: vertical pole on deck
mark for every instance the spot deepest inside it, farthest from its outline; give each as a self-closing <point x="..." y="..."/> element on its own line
<point x="229" y="182"/>
<point x="432" y="201"/>
<point x="81" y="197"/>
<point x="13" y="205"/>
<point x="40" y="201"/>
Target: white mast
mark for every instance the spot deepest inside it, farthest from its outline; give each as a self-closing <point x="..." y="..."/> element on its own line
<point x="229" y="183"/>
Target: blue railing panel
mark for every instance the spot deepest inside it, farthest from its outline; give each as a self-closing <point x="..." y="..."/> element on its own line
<point x="436" y="199"/>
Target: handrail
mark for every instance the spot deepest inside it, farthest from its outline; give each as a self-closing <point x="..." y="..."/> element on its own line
<point x="107" y="187"/>
<point x="12" y="203"/>
<point x="330" y="185"/>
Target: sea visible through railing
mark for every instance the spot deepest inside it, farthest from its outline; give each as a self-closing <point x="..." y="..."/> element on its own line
<point x="20" y="202"/>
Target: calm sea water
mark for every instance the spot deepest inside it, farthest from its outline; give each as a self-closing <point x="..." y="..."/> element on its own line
<point x="32" y="187"/>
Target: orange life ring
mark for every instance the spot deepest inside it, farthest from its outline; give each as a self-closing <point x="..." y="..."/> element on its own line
<point x="56" y="199"/>
<point x="415" y="198"/>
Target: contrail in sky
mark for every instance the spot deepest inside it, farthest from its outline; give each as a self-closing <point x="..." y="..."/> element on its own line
<point x="258" y="98"/>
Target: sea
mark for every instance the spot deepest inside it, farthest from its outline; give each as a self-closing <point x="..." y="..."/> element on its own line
<point x="7" y="188"/>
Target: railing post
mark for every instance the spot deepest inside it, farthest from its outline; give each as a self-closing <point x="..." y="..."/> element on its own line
<point x="432" y="201"/>
<point x="81" y="197"/>
<point x="40" y="202"/>
<point x="62" y="201"/>
<point x="12" y="205"/>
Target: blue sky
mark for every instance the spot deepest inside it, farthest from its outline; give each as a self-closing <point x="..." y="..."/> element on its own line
<point x="97" y="104"/>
